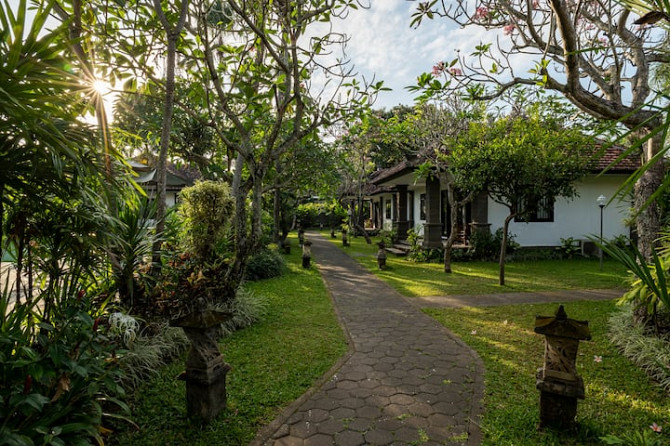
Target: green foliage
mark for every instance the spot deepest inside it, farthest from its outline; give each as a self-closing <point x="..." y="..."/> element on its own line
<point x="417" y="253"/>
<point x="206" y="208"/>
<point x="185" y="283"/>
<point x="646" y="437"/>
<point x="133" y="242"/>
<point x="569" y="247"/>
<point x="248" y="308"/>
<point x="57" y="377"/>
<point x="486" y="246"/>
<point x="155" y="346"/>
<point x="649" y="289"/>
<point x="388" y="237"/>
<point x="520" y="160"/>
<point x="651" y="353"/>
<point x="312" y="215"/>
<point x="265" y="264"/>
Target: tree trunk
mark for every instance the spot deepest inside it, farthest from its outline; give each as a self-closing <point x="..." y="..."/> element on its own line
<point x="648" y="221"/>
<point x="161" y="165"/>
<point x="168" y="107"/>
<point x="276" y="213"/>
<point x="503" y="249"/>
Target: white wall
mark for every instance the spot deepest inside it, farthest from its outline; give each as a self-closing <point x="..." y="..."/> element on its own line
<point x="418" y="222"/>
<point x="387" y="223"/>
<point x="577" y="218"/>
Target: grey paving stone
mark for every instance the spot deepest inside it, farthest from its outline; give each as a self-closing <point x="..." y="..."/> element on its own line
<point x="349" y="438"/>
<point x="378" y="437"/>
<point x="407" y="374"/>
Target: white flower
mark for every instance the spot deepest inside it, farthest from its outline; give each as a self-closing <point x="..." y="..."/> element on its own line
<point x="124" y="326"/>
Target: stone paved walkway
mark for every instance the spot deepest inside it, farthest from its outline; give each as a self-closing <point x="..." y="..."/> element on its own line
<point x="407" y="379"/>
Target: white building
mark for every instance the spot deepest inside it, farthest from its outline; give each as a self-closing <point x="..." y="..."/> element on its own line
<point x="402" y="201"/>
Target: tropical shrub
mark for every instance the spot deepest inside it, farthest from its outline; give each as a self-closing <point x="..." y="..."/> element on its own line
<point x="417" y="253"/>
<point x="132" y="247"/>
<point x="57" y="377"/>
<point x="569" y="247"/>
<point x="650" y="353"/>
<point x="206" y="209"/>
<point x="265" y="264"/>
<point x="486" y="246"/>
<point x="315" y="214"/>
<point x="186" y="283"/>
<point x="246" y="309"/>
<point x="649" y="287"/>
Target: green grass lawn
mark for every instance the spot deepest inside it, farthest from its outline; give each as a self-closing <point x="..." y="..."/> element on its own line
<point x="620" y="399"/>
<point x="428" y="279"/>
<point x="273" y="363"/>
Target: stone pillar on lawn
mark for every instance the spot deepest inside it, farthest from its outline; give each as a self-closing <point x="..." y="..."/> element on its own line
<point x="206" y="371"/>
<point x="381" y="255"/>
<point x="557" y="380"/>
<point x="306" y="253"/>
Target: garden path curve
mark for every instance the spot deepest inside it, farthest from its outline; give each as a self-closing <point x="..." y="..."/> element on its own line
<point x="406" y="379"/>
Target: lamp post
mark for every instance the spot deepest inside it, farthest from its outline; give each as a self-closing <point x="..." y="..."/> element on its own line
<point x="602" y="201"/>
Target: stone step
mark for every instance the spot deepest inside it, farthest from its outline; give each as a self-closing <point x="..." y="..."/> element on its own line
<point x="398" y="250"/>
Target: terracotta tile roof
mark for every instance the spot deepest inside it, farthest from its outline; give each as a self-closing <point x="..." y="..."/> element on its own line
<point x="610" y="155"/>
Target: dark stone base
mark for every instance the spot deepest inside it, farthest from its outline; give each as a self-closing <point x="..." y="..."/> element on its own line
<point x="205" y="400"/>
<point x="306" y="262"/>
<point x="557" y="411"/>
<point x="432" y="236"/>
<point x="401" y="228"/>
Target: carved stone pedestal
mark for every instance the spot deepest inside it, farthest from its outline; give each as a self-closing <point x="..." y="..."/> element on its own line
<point x="205" y="369"/>
<point x="381" y="255"/>
<point x="306" y="253"/>
<point x="345" y="239"/>
<point x="558" y="382"/>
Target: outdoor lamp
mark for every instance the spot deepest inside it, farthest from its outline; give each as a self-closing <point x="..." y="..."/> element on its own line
<point x="602" y="201"/>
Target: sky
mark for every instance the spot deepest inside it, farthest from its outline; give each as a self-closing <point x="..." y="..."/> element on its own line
<point x="383" y="45"/>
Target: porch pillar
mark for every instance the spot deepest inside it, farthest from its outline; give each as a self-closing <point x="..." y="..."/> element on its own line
<point x="401" y="223"/>
<point x="432" y="229"/>
<point x="480" y="214"/>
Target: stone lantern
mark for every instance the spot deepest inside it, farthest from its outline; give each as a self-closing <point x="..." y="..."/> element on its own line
<point x="301" y="236"/>
<point x="332" y="233"/>
<point x="345" y="240"/>
<point x="557" y="380"/>
<point x="381" y="255"/>
<point x="206" y="371"/>
<point x="306" y="253"/>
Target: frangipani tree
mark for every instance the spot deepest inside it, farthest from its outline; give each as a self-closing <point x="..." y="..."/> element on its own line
<point x="590" y="52"/>
<point x="250" y="71"/>
<point x="524" y="162"/>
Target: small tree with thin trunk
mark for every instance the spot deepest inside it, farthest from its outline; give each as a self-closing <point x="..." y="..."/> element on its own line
<point x="524" y="163"/>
